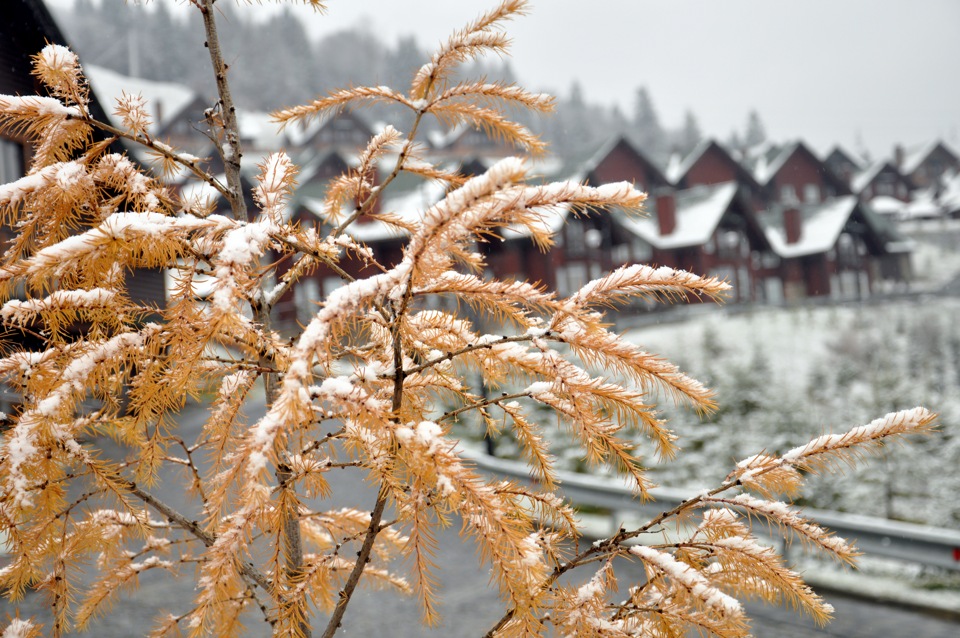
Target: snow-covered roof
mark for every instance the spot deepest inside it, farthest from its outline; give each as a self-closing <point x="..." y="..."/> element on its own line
<point x="819" y="232"/>
<point x="259" y="128"/>
<point x="846" y="156"/>
<point x="914" y="156"/>
<point x="698" y="213"/>
<point x="950" y="195"/>
<point x="862" y="179"/>
<point x="165" y="100"/>
<point x="886" y="205"/>
<point x="767" y="163"/>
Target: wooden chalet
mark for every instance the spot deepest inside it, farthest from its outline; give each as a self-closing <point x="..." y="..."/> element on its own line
<point x="883" y="186"/>
<point x="793" y="174"/>
<point x="835" y="248"/>
<point x="587" y="245"/>
<point x="404" y="199"/>
<point x="843" y="163"/>
<point x="706" y="229"/>
<point x="924" y="166"/>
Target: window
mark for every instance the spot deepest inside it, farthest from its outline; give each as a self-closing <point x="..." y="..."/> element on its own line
<point x="306" y="294"/>
<point x="11" y="161"/>
<point x="788" y="194"/>
<point x="620" y="254"/>
<point x="593" y="237"/>
<point x="811" y="193"/>
<point x="571" y="278"/>
<point x="575" y="238"/>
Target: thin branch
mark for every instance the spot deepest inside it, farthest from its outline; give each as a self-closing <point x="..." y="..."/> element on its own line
<point x="246" y="569"/>
<point x="231" y="151"/>
<point x="162" y="149"/>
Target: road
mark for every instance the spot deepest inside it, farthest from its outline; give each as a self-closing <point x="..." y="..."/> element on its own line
<point x="469" y="605"/>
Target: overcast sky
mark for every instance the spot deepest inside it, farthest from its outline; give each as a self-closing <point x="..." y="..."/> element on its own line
<point x="823" y="70"/>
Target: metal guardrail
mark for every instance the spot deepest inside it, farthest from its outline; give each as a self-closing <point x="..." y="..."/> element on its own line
<point x="918" y="544"/>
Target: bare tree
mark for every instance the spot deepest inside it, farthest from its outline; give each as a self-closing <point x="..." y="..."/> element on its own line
<point x="359" y="389"/>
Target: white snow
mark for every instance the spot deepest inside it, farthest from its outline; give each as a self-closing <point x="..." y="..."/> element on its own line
<point x="18" y="628"/>
<point x="693" y="580"/>
<point x="44" y="106"/>
<point x="698" y="212"/>
<point x="21" y="311"/>
<point x="822" y="225"/>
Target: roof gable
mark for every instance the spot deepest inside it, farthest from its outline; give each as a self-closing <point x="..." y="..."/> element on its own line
<point x="27" y="26"/>
<point x="619" y="160"/>
<point x="711" y="150"/>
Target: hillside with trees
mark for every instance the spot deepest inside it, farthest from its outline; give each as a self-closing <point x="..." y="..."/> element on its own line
<point x="114" y="34"/>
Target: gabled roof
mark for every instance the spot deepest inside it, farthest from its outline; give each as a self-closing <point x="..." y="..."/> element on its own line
<point x="862" y="179"/>
<point x="840" y="154"/>
<point x="678" y="167"/>
<point x="698" y="213"/>
<point x="768" y="161"/>
<point x="166" y="101"/>
<point x="821" y="228"/>
<point x="260" y="129"/>
<point x="679" y="171"/>
<point x="915" y="156"/>
<point x="586" y="168"/>
<point x="771" y="159"/>
<point x="300" y="135"/>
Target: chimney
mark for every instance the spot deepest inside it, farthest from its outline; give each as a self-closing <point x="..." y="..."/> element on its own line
<point x="898" y="156"/>
<point x="666" y="212"/>
<point x="791" y="224"/>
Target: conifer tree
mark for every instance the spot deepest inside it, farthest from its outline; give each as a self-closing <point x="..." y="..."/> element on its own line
<point x="359" y="389"/>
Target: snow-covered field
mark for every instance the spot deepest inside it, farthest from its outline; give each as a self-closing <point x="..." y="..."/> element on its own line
<point x="791" y="340"/>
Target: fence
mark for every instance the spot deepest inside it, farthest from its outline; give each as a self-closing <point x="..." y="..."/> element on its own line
<point x="918" y="544"/>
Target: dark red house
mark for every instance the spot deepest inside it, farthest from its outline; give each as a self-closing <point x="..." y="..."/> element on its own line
<point x="881" y="180"/>
<point x="710" y="163"/>
<point x="793" y="174"/>
<point x="835" y="248"/>
<point x="843" y="163"/>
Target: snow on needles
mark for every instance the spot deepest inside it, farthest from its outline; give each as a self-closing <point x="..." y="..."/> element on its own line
<point x="20" y="446"/>
<point x="19" y="628"/>
<point x="690" y="578"/>
<point x="20" y="312"/>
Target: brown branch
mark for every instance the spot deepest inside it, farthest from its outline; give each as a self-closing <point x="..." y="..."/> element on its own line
<point x="247" y="570"/>
<point x="363" y="557"/>
<point x="162" y="149"/>
<point x="233" y="152"/>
